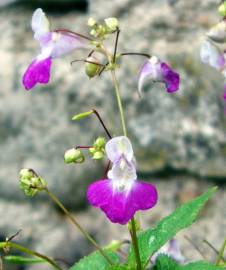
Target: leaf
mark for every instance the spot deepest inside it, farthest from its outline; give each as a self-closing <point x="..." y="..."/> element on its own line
<point x="152" y="240"/>
<point x="118" y="267"/>
<point x="23" y="260"/>
<point x="81" y="115"/>
<point x="96" y="261"/>
<point x="163" y="262"/>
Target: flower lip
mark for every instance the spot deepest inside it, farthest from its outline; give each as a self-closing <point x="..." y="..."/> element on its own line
<point x="120" y="207"/>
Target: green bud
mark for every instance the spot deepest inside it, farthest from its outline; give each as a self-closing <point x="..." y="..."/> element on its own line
<point x="222" y="9"/>
<point x="92" y="150"/>
<point x="112" y="23"/>
<point x="73" y="156"/>
<point x="30" y="182"/>
<point x="91" y="22"/>
<point x="26" y="174"/>
<point x="100" y="142"/>
<point x="92" y="69"/>
<point x="98" y="155"/>
<point x="81" y="115"/>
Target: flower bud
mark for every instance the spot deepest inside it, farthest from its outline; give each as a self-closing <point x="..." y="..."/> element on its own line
<point x="91" y="22"/>
<point x="81" y="115"/>
<point x="92" y="69"/>
<point x="100" y="142"/>
<point x="222" y="9"/>
<point x="218" y="32"/>
<point x="98" y="155"/>
<point x="98" y="149"/>
<point x="112" y="23"/>
<point x="30" y="182"/>
<point x="73" y="156"/>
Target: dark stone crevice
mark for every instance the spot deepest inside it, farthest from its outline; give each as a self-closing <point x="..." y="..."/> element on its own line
<point x="56" y="7"/>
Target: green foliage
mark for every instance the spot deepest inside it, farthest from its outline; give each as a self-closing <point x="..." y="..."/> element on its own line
<point x="163" y="262"/>
<point x="95" y="261"/>
<point x="152" y="240"/>
<point x="23" y="260"/>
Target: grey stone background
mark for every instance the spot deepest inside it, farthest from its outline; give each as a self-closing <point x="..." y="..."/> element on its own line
<point x="179" y="139"/>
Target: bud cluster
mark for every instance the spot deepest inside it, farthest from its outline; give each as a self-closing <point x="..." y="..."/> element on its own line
<point x="73" y="156"/>
<point x="100" y="30"/>
<point x="30" y="182"/>
<point x="98" y="149"/>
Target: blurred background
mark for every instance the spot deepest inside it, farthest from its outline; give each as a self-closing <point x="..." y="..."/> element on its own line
<point x="179" y="140"/>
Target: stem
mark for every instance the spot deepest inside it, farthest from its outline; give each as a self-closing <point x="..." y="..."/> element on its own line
<point x="30" y="252"/>
<point x="133" y="225"/>
<point x="83" y="147"/>
<point x="78" y="226"/>
<point x="135" y="244"/>
<point x="87" y="61"/>
<point x="102" y="123"/>
<point x="221" y="253"/>
<point x="117" y="92"/>
<point x="63" y="30"/>
<point x="116" y="44"/>
<point x="134" y="53"/>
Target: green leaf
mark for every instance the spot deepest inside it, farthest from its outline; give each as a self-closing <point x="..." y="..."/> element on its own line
<point x="118" y="267"/>
<point x="152" y="240"/>
<point x="95" y="261"/>
<point x="163" y="262"/>
<point x="23" y="260"/>
<point x="82" y="115"/>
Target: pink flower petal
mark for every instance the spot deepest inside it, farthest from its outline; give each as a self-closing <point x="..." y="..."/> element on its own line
<point x="120" y="207"/>
<point x="37" y="72"/>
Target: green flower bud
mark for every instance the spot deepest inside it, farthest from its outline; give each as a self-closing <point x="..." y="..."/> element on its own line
<point x="26" y="174"/>
<point x="73" y="156"/>
<point x="112" y="23"/>
<point x="98" y="149"/>
<point x="82" y="115"/>
<point x="91" y="22"/>
<point x="92" y="69"/>
<point x="98" y="155"/>
<point x="30" y="182"/>
<point x="100" y="142"/>
<point x="222" y="9"/>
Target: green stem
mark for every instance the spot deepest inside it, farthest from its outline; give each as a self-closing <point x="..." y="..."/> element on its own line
<point x="119" y="101"/>
<point x="78" y="226"/>
<point x="221" y="253"/>
<point x="135" y="244"/>
<point x="133" y="225"/>
<point x="4" y="245"/>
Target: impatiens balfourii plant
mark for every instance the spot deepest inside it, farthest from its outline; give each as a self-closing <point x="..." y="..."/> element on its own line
<point x="120" y="193"/>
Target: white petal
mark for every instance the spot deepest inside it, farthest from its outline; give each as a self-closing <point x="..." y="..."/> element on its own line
<point x="63" y="44"/>
<point x="117" y="147"/>
<point x="150" y="70"/>
<point x="211" y="55"/>
<point x="218" y="32"/>
<point x="123" y="174"/>
<point x="39" y="23"/>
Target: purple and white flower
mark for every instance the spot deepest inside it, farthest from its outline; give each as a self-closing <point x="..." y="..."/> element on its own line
<point x="53" y="45"/>
<point x="157" y="71"/>
<point x="121" y="194"/>
<point x="211" y="55"/>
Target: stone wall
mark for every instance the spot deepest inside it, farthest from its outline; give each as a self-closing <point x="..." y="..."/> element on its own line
<point x="183" y="132"/>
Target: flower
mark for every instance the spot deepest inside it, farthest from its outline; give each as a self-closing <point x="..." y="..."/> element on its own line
<point x="210" y="54"/>
<point x="53" y="45"/>
<point x="121" y="194"/>
<point x="158" y="71"/>
<point x="172" y="249"/>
